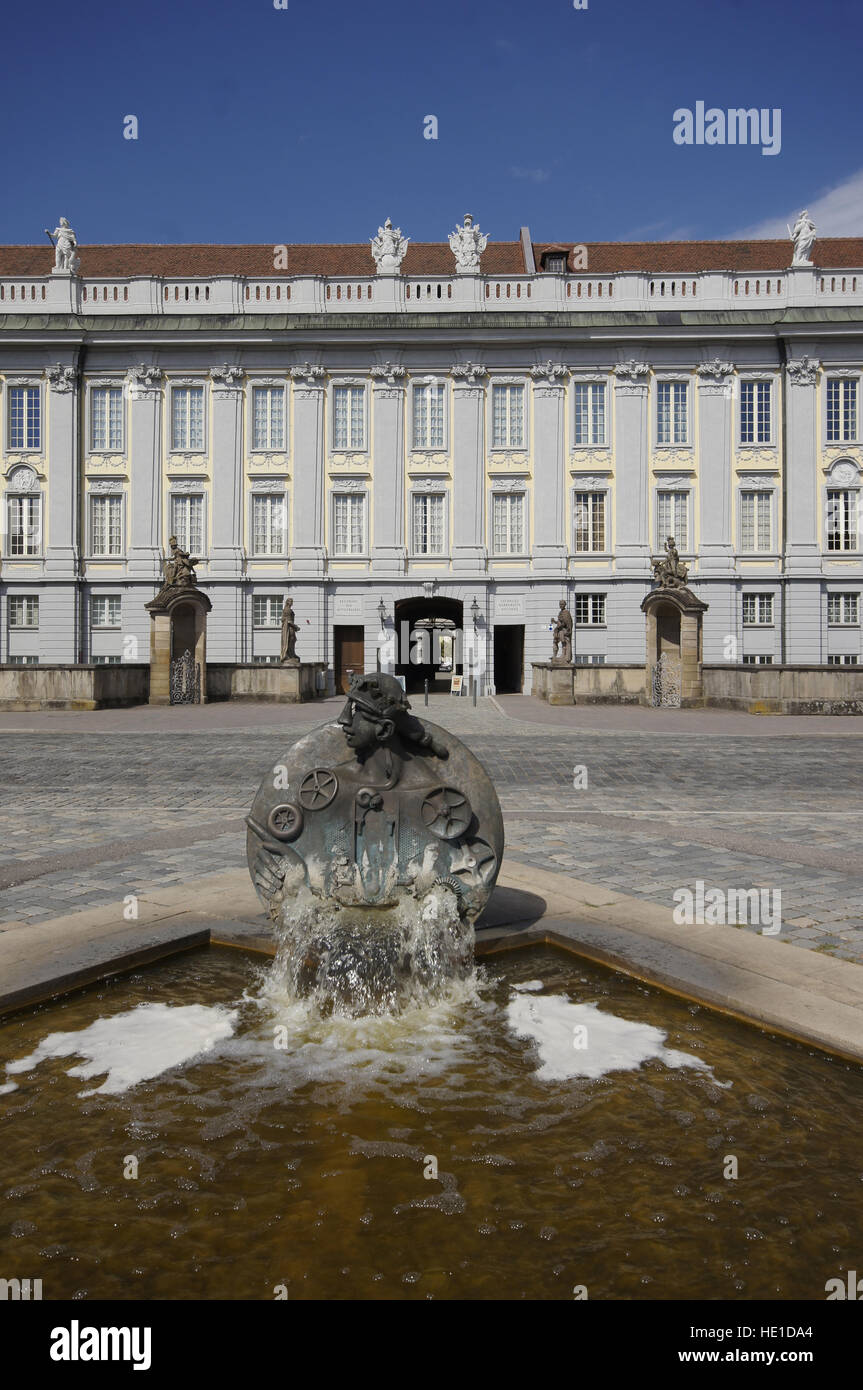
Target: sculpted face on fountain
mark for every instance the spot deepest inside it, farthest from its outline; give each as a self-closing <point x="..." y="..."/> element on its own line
<point x="373" y="808"/>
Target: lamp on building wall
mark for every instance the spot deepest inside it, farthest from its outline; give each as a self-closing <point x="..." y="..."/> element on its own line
<point x="474" y="612"/>
<point x="382" y="611"/>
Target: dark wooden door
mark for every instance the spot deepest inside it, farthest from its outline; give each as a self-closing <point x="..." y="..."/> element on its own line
<point x="349" y="654"/>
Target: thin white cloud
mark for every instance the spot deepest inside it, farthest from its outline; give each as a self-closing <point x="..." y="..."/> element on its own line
<point x="838" y="212"/>
<point x="535" y="175"/>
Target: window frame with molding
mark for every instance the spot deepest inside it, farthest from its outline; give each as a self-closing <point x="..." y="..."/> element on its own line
<point x="337" y="493"/>
<point x="11" y="385"/>
<point x="279" y="496"/>
<point x="187" y="385"/>
<point x="37" y="552"/>
<point x="96" y="626"/>
<point x="351" y="385"/>
<point x="521" y="495"/>
<point x="23" y="599"/>
<point x="591" y="385"/>
<point x="184" y="541"/>
<point x="675" y="382"/>
<point x="852" y="530"/>
<point x="424" y="494"/>
<point x="275" y="603"/>
<point x="762" y="599"/>
<point x="94" y="388"/>
<point x="760" y="385"/>
<point x="273" y="386"/>
<point x="94" y="499"/>
<point x="842" y="597"/>
<point x="440" y="385"/>
<point x="591" y="598"/>
<point x="602" y="496"/>
<point x="508" y="384"/>
<point x="840" y="378"/>
<point x="744" y="492"/>
<point x="659" y="532"/>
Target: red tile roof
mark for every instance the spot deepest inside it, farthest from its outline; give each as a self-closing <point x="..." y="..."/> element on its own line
<point x="431" y="258"/>
<point x="688" y="257"/>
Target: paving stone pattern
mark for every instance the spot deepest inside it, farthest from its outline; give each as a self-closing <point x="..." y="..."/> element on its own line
<point x="90" y="817"/>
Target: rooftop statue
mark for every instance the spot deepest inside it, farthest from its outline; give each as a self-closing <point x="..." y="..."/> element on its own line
<point x="670" y="572"/>
<point x="65" y="244"/>
<point x="467" y="244"/>
<point x="803" y="236"/>
<point x="389" y="248"/>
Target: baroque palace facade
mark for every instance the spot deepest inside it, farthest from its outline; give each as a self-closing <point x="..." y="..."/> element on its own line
<point x="465" y="432"/>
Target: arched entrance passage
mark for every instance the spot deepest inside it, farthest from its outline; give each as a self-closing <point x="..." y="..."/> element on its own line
<point x="674" y="618"/>
<point x="183" y="630"/>
<point x="430" y="630"/>
<point x="667" y="631"/>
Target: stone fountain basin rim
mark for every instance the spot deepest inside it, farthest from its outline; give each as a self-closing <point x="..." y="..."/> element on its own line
<point x="800" y="995"/>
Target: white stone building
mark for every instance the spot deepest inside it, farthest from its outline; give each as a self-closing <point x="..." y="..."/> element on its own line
<point x="467" y="432"/>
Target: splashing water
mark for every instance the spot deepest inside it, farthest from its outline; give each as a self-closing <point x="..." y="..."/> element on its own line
<point x="350" y="961"/>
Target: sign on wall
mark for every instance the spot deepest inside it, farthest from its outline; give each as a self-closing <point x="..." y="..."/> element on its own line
<point x="509" y="606"/>
<point x="348" y="606"/>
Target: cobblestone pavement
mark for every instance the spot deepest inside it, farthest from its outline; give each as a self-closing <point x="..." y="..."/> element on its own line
<point x="99" y="806"/>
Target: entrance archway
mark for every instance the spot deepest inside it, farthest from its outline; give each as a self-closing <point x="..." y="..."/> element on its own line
<point x="674" y="620"/>
<point x="431" y="629"/>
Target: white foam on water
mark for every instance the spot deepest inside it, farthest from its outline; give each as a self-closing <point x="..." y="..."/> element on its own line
<point x="10" y="1086"/>
<point x="530" y="986"/>
<point x="136" y="1045"/>
<point x="610" y="1043"/>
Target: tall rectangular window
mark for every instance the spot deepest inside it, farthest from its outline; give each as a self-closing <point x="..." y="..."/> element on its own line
<point x="25" y="525"/>
<point x="268" y="412"/>
<point x="267" y="609"/>
<point x="507" y="409"/>
<point x="187" y="417"/>
<point x="106" y="417"/>
<point x="349" y="422"/>
<point x="672" y="421"/>
<point x="269" y="528"/>
<point x="589" y="412"/>
<point x="349" y="511"/>
<point x="187" y="522"/>
<point x="843" y="609"/>
<point x="508" y="523"/>
<point x="756" y="530"/>
<point x="672" y="519"/>
<point x="841" y="410"/>
<point x="105" y="610"/>
<point x="589" y="521"/>
<point x="428" y="415"/>
<point x="757" y="610"/>
<point x="755" y="414"/>
<point x="841" y="519"/>
<point x="590" y="610"/>
<point x="428" y="523"/>
<point x="106" y="533"/>
<point x="24" y="610"/>
<point x="25" y="417"/>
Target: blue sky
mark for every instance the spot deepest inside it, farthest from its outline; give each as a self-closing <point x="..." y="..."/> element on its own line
<point x="306" y="124"/>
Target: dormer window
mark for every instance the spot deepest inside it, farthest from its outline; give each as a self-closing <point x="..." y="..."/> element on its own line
<point x="554" y="262"/>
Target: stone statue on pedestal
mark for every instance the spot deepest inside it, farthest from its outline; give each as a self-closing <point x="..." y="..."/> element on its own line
<point x="389" y="248"/>
<point x="288" y="655"/>
<point x="65" y="243"/>
<point x="180" y="567"/>
<point x="670" y="572"/>
<point x="467" y="244"/>
<point x="562" y="635"/>
<point x="803" y="236"/>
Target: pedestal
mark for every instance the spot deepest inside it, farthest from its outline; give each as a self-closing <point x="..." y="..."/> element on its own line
<point x="553" y="681"/>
